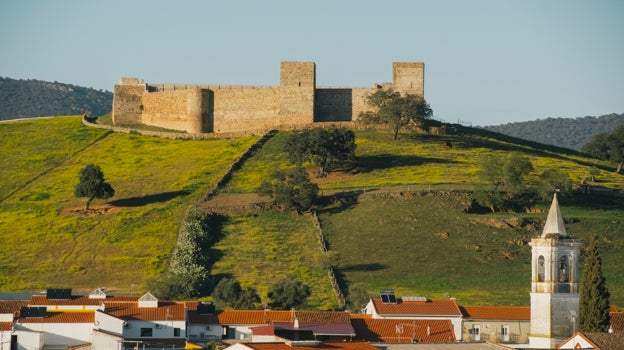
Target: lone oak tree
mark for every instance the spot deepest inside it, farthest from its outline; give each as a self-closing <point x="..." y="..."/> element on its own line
<point x="395" y="110"/>
<point x="92" y="185"/>
<point x="324" y="147"/>
<point x="291" y="190"/>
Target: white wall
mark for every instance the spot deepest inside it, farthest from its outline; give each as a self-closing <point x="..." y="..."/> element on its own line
<point x="160" y="329"/>
<point x="575" y="341"/>
<point x="104" y="341"/>
<point x="455" y="320"/>
<point x="28" y="340"/>
<point x="108" y="323"/>
<point x="213" y="331"/>
<point x="242" y="332"/>
<point x="61" y="333"/>
<point x="5" y="339"/>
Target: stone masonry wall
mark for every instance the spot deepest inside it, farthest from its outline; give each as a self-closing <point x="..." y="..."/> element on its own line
<point x="297" y="85"/>
<point x="409" y="77"/>
<point x="127" y="102"/>
<point x="295" y="103"/>
<point x="340" y="104"/>
<point x="240" y="108"/>
<point x="166" y="109"/>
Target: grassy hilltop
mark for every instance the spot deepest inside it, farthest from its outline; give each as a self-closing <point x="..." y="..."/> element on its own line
<point x="402" y="223"/>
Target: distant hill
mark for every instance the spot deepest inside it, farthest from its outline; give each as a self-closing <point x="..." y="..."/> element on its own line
<point x="570" y="133"/>
<point x="36" y="98"/>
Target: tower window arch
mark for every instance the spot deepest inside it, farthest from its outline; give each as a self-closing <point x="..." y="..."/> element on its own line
<point x="540" y="268"/>
<point x="564" y="269"/>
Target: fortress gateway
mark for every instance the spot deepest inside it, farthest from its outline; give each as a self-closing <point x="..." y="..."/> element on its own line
<point x="296" y="103"/>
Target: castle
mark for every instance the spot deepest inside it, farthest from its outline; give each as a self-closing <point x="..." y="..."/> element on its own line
<point x="297" y="102"/>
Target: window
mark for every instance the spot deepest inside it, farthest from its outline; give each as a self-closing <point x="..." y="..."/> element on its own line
<point x="176" y="332"/>
<point x="146" y="332"/>
<point x="563" y="269"/>
<point x="476" y="332"/>
<point x="505" y="332"/>
<point x="540" y="269"/>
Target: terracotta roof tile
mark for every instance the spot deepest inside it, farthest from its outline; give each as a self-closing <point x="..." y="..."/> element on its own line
<point x="250" y="317"/>
<point x="267" y="329"/>
<point x="613" y="308"/>
<point x="5" y="326"/>
<point x="319" y="328"/>
<point x="520" y="313"/>
<point x="61" y="317"/>
<point x="617" y="321"/>
<point x="403" y="330"/>
<point x="324" y="345"/>
<point x="606" y="341"/>
<point x="444" y="307"/>
<point x="194" y="318"/>
<point x="253" y="316"/>
<point x="12" y="306"/>
<point x="166" y="310"/>
<point x="329" y="317"/>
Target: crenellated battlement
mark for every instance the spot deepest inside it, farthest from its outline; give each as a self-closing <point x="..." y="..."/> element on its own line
<point x="296" y="102"/>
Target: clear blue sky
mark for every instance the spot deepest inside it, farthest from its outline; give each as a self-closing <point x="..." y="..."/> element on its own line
<point x="486" y="62"/>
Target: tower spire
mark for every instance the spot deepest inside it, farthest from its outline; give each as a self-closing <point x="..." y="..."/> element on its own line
<point x="554" y="222"/>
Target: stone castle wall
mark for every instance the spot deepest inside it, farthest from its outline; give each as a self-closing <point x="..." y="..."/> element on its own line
<point x="297" y="102"/>
<point x="237" y="109"/>
<point x="340" y="104"/>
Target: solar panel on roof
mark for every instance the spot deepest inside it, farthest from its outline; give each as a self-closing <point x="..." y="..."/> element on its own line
<point x="39" y="311"/>
<point x="388" y="296"/>
<point x="54" y="293"/>
<point x="423" y="299"/>
<point x="204" y="308"/>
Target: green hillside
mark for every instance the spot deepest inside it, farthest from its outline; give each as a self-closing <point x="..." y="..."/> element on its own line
<point x="45" y="244"/>
<point x="402" y="223"/>
<point x="398" y="220"/>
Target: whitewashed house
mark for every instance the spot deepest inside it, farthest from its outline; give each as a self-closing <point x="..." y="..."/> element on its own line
<point x="388" y="306"/>
<point x="147" y="323"/>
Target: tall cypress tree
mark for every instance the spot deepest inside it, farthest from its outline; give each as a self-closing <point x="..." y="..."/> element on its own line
<point x="594" y="295"/>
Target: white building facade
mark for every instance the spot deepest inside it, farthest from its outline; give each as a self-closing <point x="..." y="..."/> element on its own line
<point x="554" y="283"/>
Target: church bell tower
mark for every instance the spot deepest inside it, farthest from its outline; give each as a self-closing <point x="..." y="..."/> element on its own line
<point x="554" y="283"/>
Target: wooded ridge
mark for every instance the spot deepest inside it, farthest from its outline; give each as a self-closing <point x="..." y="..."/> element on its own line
<point x="36" y="98"/>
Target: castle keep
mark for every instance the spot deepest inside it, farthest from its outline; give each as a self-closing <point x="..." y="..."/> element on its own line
<point x="296" y="103"/>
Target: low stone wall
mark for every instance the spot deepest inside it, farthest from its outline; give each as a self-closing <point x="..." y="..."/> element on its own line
<point x="238" y="163"/>
<point x="330" y="271"/>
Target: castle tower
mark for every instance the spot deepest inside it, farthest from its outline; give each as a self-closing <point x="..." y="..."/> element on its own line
<point x="199" y="111"/>
<point x="554" y="283"/>
<point x="409" y="78"/>
<point x="297" y="86"/>
<point x="127" y="101"/>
